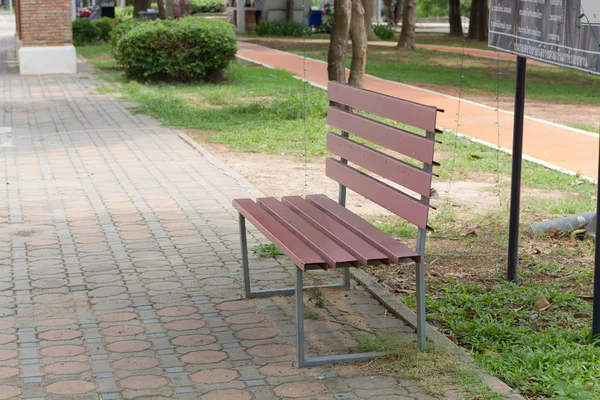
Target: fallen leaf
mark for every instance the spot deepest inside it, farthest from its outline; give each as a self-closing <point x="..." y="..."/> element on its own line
<point x="475" y="156"/>
<point x="542" y="303"/>
<point x="472" y="233"/>
<point x="536" y="251"/>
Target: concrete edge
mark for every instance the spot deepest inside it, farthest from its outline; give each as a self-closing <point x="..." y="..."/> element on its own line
<point x="401" y="311"/>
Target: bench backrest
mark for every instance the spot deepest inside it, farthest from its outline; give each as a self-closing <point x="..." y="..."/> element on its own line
<point x="414" y="209"/>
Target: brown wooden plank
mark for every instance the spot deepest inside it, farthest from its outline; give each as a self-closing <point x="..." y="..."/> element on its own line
<point x="399" y="110"/>
<point x="389" y="246"/>
<point x="330" y="251"/>
<point x="401" y="204"/>
<point x="343" y="236"/>
<point x="302" y="255"/>
<point x="414" y="146"/>
<point x="391" y="168"/>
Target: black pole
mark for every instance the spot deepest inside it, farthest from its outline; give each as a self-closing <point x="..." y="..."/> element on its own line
<point x="596" y="309"/>
<point x="517" y="161"/>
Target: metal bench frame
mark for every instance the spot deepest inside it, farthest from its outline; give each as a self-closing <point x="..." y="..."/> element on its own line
<point x="297" y="290"/>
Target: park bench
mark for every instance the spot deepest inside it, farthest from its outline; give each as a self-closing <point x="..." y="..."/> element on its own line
<point x="316" y="232"/>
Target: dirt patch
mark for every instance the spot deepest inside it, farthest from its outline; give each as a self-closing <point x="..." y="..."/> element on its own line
<point x="278" y="175"/>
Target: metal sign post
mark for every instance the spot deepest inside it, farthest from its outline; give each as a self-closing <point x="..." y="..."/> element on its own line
<point x="517" y="161"/>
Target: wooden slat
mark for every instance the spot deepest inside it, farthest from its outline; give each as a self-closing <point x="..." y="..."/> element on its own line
<point x="354" y="244"/>
<point x="389" y="246"/>
<point x="399" y="110"/>
<point x="401" y="204"/>
<point x="302" y="255"/>
<point x="382" y="164"/>
<point x="331" y="252"/>
<point x="418" y="147"/>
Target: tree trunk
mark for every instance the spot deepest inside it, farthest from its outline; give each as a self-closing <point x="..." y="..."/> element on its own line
<point x="162" y="13"/>
<point x="182" y="12"/>
<point x="336" y="60"/>
<point x="170" y="8"/>
<point x="360" y="46"/>
<point x="454" y="19"/>
<point x="290" y="10"/>
<point x="409" y="22"/>
<point x="398" y="12"/>
<point x="140" y="5"/>
<point x="389" y="13"/>
<point x="478" y="24"/>
<point x="369" y="15"/>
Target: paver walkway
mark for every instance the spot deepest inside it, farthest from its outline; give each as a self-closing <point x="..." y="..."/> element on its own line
<point x="550" y="144"/>
<point x="120" y="266"/>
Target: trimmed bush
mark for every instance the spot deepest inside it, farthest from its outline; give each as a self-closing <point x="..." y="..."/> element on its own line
<point x="185" y="50"/>
<point x="84" y="32"/>
<point x="383" y="32"/>
<point x="121" y="30"/>
<point x="207" y="6"/>
<point x="277" y="28"/>
<point x="106" y="26"/>
<point x="123" y="13"/>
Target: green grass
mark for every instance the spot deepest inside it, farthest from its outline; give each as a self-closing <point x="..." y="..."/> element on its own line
<point x="99" y="55"/>
<point x="266" y="250"/>
<point x="540" y="352"/>
<point x="436" y="369"/>
<point x="479" y="75"/>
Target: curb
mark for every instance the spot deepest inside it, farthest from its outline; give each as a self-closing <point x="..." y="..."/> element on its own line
<point x="382" y="295"/>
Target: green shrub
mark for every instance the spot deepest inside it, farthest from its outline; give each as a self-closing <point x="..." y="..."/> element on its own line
<point x="84" y="32"/>
<point x="277" y="28"/>
<point x="383" y="32"/>
<point x="121" y="30"/>
<point x="124" y="13"/>
<point x="186" y="50"/>
<point x="207" y="6"/>
<point x="106" y="26"/>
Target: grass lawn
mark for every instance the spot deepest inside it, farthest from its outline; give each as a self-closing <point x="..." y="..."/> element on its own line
<point x="479" y="75"/>
<point x="535" y="335"/>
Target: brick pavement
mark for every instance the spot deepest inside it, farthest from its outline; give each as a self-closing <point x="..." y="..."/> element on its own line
<point x="120" y="267"/>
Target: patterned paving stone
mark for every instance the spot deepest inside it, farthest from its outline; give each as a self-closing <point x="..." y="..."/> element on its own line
<point x="193" y="340"/>
<point x="229" y="394"/>
<point x="271" y="350"/>
<point x="8" y="354"/>
<point x="143" y="382"/>
<point x="67" y="368"/>
<point x="68" y="350"/>
<point x="280" y="369"/>
<point x="245" y="319"/>
<point x="215" y="376"/>
<point x="122" y="330"/>
<point x="185" y="325"/>
<point x="296" y="390"/>
<point x="136" y="363"/>
<point x="204" y="357"/>
<point x="70" y="388"/>
<point x="8" y="372"/>
<point x="257" y="333"/>
<point x="237" y="305"/>
<point x="57" y="322"/>
<point x="60" y="334"/>
<point x="6" y="338"/>
<point x="179" y="311"/>
<point x="8" y="392"/>
<point x="117" y="317"/>
<point x="129" y="346"/>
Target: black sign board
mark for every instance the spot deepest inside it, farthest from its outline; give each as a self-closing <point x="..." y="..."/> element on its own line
<point x="561" y="32"/>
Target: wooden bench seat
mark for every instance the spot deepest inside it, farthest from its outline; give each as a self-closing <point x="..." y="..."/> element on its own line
<point x="317" y="232"/>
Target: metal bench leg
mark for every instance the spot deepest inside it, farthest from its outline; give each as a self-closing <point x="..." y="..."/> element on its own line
<point x="245" y="263"/>
<point x="274" y="292"/>
<point x="299" y="316"/>
<point x="421" y="310"/>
